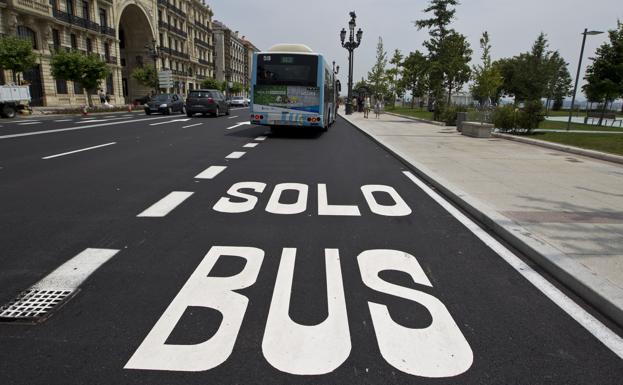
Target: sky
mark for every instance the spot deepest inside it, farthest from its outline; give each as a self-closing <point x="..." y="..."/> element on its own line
<point x="512" y="25"/>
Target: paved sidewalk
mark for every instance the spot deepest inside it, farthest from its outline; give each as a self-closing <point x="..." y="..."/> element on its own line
<point x="563" y="210"/>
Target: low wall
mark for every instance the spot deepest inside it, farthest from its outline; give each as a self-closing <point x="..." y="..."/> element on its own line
<point x="477" y="129"/>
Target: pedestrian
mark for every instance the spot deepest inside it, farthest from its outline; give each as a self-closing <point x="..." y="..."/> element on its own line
<point x="107" y="97"/>
<point x="354" y="104"/>
<point x="102" y="96"/>
<point x="360" y="104"/>
<point x="366" y="107"/>
<point x="378" y="106"/>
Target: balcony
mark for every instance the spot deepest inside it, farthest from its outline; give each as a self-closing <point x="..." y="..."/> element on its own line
<point x="107" y="31"/>
<point x="204" y="62"/>
<point x="202" y="27"/>
<point x="109" y="59"/>
<point x="76" y="20"/>
<point x="200" y="77"/>
<point x="176" y="10"/>
<point x="202" y="43"/>
<point x="38" y="7"/>
<point x="170" y="28"/>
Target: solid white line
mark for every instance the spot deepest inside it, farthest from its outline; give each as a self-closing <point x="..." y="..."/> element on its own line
<point x="235" y="155"/>
<point x="238" y="125"/>
<point x="211" y="172"/>
<point x="590" y="323"/>
<point x="63" y="120"/>
<point x="76" y="128"/>
<point x="192" y="125"/>
<point x="71" y="274"/>
<point x="80" y="150"/>
<point x="250" y="145"/>
<point x="88" y="118"/>
<point x="260" y="138"/>
<point x="233" y="117"/>
<point x="99" y="120"/>
<point x="25" y="124"/>
<point x="166" y="204"/>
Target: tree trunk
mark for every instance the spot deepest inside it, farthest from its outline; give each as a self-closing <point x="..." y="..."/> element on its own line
<point x="547" y="106"/>
<point x="87" y="97"/>
<point x="14" y="77"/>
<point x="603" y="112"/>
<point x="449" y="95"/>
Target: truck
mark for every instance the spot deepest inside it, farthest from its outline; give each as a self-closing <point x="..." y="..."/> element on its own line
<point x="13" y="98"/>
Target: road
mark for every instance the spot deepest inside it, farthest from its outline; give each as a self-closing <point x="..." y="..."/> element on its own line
<point x="172" y="250"/>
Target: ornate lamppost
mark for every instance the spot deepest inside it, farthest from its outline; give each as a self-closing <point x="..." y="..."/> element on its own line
<point x="350" y="45"/>
<point x="154" y="53"/>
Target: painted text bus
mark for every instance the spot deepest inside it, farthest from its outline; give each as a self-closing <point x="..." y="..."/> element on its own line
<point x="292" y="86"/>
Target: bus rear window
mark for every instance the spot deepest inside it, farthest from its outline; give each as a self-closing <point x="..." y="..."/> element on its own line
<point x="287" y="69"/>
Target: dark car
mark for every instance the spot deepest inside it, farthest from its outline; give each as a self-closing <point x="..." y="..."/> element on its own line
<point x="166" y="104"/>
<point x="206" y="102"/>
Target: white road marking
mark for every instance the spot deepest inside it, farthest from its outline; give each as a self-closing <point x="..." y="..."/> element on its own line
<point x="25" y="124"/>
<point x="235" y="155"/>
<point x="211" y="172"/>
<point x="260" y="138"/>
<point x="63" y="120"/>
<point x="238" y="125"/>
<point x="80" y="150"/>
<point x="88" y="118"/>
<point x="170" y="121"/>
<point x="77" y="128"/>
<point x="166" y="204"/>
<point x="98" y="120"/>
<point x="193" y="125"/>
<point x="233" y="117"/>
<point x="250" y="145"/>
<point x="590" y="323"/>
<point x="71" y="274"/>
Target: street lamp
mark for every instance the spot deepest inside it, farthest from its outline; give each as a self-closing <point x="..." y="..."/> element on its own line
<point x="350" y="45"/>
<point x="577" y="76"/>
<point x="154" y="53"/>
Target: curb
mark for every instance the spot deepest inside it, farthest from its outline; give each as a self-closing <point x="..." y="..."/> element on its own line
<point x="562" y="147"/>
<point x="547" y="257"/>
<point x="417" y="119"/>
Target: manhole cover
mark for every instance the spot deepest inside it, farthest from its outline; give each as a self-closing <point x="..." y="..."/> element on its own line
<point x="33" y="305"/>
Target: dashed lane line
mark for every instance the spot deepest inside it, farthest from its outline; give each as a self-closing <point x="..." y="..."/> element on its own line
<point x="80" y="150"/>
<point x="210" y="172"/>
<point x="238" y="125"/>
<point x="235" y="155"/>
<point x="79" y="128"/>
<point x="590" y="323"/>
<point x="63" y="120"/>
<point x="260" y="138"/>
<point x="250" y="145"/>
<point x="97" y="120"/>
<point x="192" y="125"/>
<point x="233" y="117"/>
<point x="170" y="121"/>
<point x="165" y="205"/>
<point x="27" y="123"/>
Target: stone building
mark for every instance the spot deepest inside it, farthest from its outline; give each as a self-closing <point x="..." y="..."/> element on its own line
<point x="123" y="32"/>
<point x="232" y="56"/>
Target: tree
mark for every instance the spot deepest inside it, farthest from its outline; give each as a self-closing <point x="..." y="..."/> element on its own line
<point x="526" y="76"/>
<point x="415" y="75"/>
<point x="559" y="83"/>
<point x="147" y="76"/>
<point x="393" y="76"/>
<point x="236" y="87"/>
<point x="377" y="77"/>
<point x="487" y="77"/>
<point x="16" y="54"/>
<point x="211" y="83"/>
<point x="605" y="75"/>
<point x="455" y="55"/>
<point x="87" y="70"/>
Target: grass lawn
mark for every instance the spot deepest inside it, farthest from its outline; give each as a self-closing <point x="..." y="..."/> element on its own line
<point x="408" y="111"/>
<point x="576" y="113"/>
<point x="553" y="125"/>
<point x="610" y="143"/>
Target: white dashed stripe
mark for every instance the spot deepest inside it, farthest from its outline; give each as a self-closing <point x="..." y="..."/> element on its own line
<point x="211" y="172"/>
<point x="166" y="204"/>
<point x="235" y="155"/>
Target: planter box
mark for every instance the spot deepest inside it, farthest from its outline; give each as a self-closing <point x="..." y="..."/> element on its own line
<point x="477" y="129"/>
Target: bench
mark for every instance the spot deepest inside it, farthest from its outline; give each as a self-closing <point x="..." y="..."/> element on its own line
<point x="592" y="115"/>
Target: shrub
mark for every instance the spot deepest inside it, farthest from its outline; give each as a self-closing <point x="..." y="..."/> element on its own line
<point x="504" y="118"/>
<point x="530" y="116"/>
<point x="449" y="114"/>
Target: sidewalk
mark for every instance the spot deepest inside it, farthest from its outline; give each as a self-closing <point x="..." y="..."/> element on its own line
<point x="564" y="211"/>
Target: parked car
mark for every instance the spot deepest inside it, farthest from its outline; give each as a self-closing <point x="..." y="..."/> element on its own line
<point x="238" y="101"/>
<point x="206" y="102"/>
<point x="165" y="104"/>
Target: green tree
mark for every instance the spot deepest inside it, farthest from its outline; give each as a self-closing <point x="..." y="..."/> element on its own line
<point x="87" y="70"/>
<point x="559" y="82"/>
<point x="438" y="30"/>
<point x="393" y="76"/>
<point x="377" y="78"/>
<point x="236" y="88"/>
<point x="146" y="76"/>
<point x="415" y="75"/>
<point x="455" y="56"/>
<point x="526" y="76"/>
<point x="211" y="83"/>
<point x="604" y="75"/>
<point x="487" y="77"/>
<point x="16" y="54"/>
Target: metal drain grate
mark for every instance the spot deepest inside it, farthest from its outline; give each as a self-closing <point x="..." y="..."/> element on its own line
<point x="33" y="305"/>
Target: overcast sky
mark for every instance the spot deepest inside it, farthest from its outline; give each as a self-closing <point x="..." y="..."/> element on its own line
<point x="513" y="25"/>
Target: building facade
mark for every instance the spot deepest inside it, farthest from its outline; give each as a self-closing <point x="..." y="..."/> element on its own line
<point x="232" y="54"/>
<point x="172" y="34"/>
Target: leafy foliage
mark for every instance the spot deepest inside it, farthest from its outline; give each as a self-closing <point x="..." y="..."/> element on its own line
<point x="504" y="117"/>
<point x="487" y="77"/>
<point x="455" y="56"/>
<point x="146" y="76"/>
<point x="16" y="54"/>
<point x="559" y="84"/>
<point x="211" y="84"/>
<point x="87" y="70"/>
<point x="393" y="76"/>
<point x="377" y="78"/>
<point x="415" y="69"/>
<point x="236" y="87"/>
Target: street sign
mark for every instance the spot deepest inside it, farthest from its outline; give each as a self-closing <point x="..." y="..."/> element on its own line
<point x="165" y="79"/>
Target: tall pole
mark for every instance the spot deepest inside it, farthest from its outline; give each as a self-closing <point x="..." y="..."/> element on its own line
<point x="577" y="78"/>
<point x="350" y="45"/>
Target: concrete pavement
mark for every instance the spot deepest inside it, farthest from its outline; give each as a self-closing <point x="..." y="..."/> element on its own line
<point x="565" y="211"/>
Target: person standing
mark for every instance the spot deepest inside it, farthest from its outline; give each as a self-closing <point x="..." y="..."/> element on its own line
<point x="377" y="108"/>
<point x="102" y="96"/>
<point x="366" y="107"/>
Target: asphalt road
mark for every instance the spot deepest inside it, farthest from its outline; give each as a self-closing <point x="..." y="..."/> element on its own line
<point x="207" y="250"/>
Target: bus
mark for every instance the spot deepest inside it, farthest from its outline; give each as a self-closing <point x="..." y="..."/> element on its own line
<point x="292" y="86"/>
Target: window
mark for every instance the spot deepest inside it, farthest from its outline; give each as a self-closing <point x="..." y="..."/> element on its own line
<point x="27" y="34"/>
<point x="61" y="86"/>
<point x="89" y="45"/>
<point x="107" y="52"/>
<point x="161" y="39"/>
<point x="103" y="18"/>
<point x="56" y="39"/>
<point x="78" y="89"/>
<point x="70" y="7"/>
<point x="109" y="85"/>
<point x="74" y="41"/>
<point x="282" y="69"/>
<point x="85" y="10"/>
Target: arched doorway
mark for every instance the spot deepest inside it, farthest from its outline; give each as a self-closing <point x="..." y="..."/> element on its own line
<point x="134" y="33"/>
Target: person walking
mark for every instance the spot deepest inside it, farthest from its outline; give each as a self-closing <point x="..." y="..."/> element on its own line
<point x="378" y="106"/>
<point x="354" y="104"/>
<point x="366" y="107"/>
<point x="102" y="96"/>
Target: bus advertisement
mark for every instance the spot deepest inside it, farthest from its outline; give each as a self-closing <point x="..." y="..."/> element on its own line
<point x="292" y="86"/>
